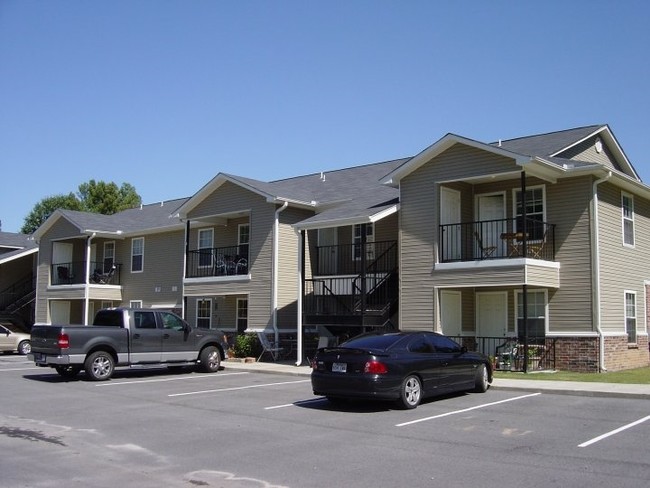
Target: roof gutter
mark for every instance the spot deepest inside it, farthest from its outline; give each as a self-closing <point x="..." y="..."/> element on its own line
<point x="596" y="269"/>
<point x="274" y="288"/>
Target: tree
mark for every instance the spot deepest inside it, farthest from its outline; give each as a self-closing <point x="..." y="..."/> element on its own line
<point x="93" y="196"/>
<point x="43" y="209"/>
<point x="107" y="198"/>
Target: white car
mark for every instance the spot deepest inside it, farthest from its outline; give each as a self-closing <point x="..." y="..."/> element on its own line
<point x="14" y="339"/>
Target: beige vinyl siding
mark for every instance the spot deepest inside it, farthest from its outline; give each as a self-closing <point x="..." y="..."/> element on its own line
<point x="622" y="268"/>
<point x="507" y="275"/>
<point x="568" y="207"/>
<point x="586" y="151"/>
<point x="60" y="230"/>
<point x="288" y="248"/>
<point x="160" y="282"/>
<point x="419" y="202"/>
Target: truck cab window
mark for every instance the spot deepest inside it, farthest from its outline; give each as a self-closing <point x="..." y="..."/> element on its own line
<point x="144" y="320"/>
<point x="171" y="321"/>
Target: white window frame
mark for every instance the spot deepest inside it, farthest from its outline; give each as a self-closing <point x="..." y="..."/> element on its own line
<point x="201" y="245"/>
<point x="200" y="317"/>
<point x="627" y="218"/>
<point x="135" y="304"/>
<point x="519" y="300"/>
<point x="133" y="241"/>
<point x="356" y="240"/>
<point x="238" y="309"/>
<point x="631" y="338"/>
<point x="516" y="215"/>
<point x="109" y="256"/>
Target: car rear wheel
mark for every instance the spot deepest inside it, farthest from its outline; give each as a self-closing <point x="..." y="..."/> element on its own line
<point x="99" y="366"/>
<point x="410" y="392"/>
<point x="481" y="381"/>
<point x="25" y="347"/>
<point x="210" y="360"/>
<point x="67" y="371"/>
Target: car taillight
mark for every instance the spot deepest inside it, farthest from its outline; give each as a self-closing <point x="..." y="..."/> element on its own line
<point x="64" y="341"/>
<point x="375" y="367"/>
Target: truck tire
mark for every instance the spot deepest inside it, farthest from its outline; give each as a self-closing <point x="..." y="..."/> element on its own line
<point x="210" y="360"/>
<point x="99" y="366"/>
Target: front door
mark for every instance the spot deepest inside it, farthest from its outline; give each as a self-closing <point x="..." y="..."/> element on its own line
<point x="60" y="312"/>
<point x="491" y="212"/>
<point x="177" y="342"/>
<point x="491" y="316"/>
<point x="450" y="240"/>
<point x="327" y="251"/>
<point x="451" y="313"/>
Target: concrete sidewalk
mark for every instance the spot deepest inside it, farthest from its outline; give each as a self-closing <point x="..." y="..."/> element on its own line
<point x="585" y="388"/>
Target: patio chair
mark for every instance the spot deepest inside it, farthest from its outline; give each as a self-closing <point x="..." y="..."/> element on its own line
<point x="268" y="347"/>
<point x="486" y="251"/>
<point x="63" y="274"/>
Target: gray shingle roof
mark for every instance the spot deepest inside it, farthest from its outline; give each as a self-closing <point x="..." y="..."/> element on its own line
<point x="547" y="144"/>
<point x="147" y="217"/>
<point x="15" y="241"/>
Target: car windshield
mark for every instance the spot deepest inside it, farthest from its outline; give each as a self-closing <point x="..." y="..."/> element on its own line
<point x="375" y="342"/>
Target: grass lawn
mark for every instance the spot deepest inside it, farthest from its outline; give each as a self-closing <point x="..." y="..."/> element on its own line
<point x="631" y="376"/>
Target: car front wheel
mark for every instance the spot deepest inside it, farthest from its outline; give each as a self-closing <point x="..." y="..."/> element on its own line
<point x="410" y="392"/>
<point x="210" y="360"/>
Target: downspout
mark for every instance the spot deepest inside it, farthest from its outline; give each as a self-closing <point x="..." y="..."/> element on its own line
<point x="595" y="266"/>
<point x="185" y="255"/>
<point x="301" y="274"/>
<point x="274" y="288"/>
<point x="87" y="281"/>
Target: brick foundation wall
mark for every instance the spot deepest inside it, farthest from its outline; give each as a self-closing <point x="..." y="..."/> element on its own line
<point x="581" y="354"/>
<point x="620" y="355"/>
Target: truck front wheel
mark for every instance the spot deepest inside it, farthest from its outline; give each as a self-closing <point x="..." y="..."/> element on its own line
<point x="99" y="366"/>
<point x="210" y="359"/>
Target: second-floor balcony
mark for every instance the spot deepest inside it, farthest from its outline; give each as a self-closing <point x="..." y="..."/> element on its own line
<point x="217" y="261"/>
<point x="74" y="273"/>
<point x="497" y="239"/>
<point x="352" y="259"/>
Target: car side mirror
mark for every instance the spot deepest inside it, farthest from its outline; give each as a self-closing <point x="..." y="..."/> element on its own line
<point x="463" y="349"/>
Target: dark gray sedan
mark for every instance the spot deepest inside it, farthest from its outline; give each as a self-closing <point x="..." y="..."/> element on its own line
<point x="404" y="366"/>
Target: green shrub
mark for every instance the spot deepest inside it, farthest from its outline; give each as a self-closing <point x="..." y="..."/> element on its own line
<point x="247" y="345"/>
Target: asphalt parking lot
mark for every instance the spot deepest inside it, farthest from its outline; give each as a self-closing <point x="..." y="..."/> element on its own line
<point x="246" y="429"/>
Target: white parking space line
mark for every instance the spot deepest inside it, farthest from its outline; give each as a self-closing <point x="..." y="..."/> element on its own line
<point x="613" y="432"/>
<point x="294" y="404"/>
<point x="455" y="412"/>
<point x="161" y="380"/>
<point x="236" y="388"/>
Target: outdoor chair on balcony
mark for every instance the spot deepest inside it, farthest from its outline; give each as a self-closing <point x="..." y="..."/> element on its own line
<point x="486" y="251"/>
<point x="103" y="278"/>
<point x="63" y="275"/>
<point x="268" y="347"/>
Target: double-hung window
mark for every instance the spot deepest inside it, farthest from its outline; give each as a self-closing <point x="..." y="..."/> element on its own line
<point x="627" y="208"/>
<point x="370" y="240"/>
<point x="109" y="255"/>
<point x="137" y="255"/>
<point x="630" y="316"/>
<point x="243" y="240"/>
<point x="203" y="313"/>
<point x="536" y="314"/>
<point x="534" y="213"/>
<point x="242" y="314"/>
<point x="206" y="243"/>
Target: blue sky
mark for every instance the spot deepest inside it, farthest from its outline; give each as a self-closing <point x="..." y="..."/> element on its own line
<point x="165" y="94"/>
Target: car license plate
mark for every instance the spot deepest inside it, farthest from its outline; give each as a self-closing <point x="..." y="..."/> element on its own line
<point x="339" y="367"/>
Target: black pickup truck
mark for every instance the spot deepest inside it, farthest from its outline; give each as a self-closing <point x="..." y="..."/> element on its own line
<point x="126" y="337"/>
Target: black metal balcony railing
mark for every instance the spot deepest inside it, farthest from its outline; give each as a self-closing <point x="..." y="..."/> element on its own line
<point x="74" y="273"/>
<point x="217" y="261"/>
<point x="497" y="239"/>
<point x="510" y="354"/>
<point x="349" y="259"/>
